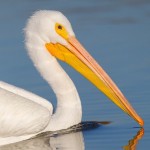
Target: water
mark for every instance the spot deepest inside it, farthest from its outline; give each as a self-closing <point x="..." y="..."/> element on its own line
<point x="117" y="34"/>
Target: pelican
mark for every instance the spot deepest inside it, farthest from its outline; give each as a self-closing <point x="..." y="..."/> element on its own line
<point x="48" y="37"/>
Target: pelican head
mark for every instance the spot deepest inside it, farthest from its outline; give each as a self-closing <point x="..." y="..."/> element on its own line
<point x="52" y="31"/>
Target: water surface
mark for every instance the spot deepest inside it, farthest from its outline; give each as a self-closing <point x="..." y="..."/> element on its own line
<point x="117" y="34"/>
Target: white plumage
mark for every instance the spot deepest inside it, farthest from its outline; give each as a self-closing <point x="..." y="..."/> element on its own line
<point x="24" y="114"/>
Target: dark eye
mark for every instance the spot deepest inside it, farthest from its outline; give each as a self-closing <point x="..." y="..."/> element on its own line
<point x="60" y="27"/>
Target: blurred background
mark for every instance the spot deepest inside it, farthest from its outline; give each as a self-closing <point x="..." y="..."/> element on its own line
<point x="116" y="33"/>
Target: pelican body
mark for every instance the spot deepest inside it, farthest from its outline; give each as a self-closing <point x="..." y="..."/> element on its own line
<point x="48" y="37"/>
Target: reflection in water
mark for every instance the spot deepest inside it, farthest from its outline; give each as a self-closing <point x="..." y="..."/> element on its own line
<point x="73" y="141"/>
<point x="133" y="142"/>
<point x="64" y="139"/>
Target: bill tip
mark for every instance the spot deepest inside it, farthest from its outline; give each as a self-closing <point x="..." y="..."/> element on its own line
<point x="141" y="122"/>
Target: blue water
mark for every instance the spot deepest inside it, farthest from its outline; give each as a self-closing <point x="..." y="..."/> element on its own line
<point x="117" y="34"/>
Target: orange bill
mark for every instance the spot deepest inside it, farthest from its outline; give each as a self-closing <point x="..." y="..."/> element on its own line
<point x="75" y="55"/>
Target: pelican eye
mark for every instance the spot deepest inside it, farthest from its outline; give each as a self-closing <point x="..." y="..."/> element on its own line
<point x="61" y="30"/>
<point x="60" y="27"/>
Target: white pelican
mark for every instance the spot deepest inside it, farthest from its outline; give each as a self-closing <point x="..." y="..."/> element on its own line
<point x="49" y="35"/>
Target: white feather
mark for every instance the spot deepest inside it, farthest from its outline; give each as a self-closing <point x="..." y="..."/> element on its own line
<point x="24" y="114"/>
